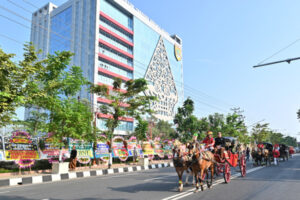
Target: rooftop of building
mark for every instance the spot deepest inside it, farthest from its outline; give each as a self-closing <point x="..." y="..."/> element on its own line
<point x="134" y="11"/>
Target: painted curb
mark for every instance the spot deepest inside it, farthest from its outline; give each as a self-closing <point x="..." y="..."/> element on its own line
<point x="75" y="175"/>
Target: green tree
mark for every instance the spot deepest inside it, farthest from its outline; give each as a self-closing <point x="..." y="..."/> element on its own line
<point x="36" y="123"/>
<point x="186" y="123"/>
<point x="141" y="129"/>
<point x="290" y="141"/>
<point x="70" y="118"/>
<point x="203" y="127"/>
<point x="216" y="123"/>
<point x="235" y="126"/>
<point x="131" y="103"/>
<point x="17" y="82"/>
<point x="276" y="138"/>
<point x="261" y="132"/>
<point x="164" y="130"/>
<point x="60" y="84"/>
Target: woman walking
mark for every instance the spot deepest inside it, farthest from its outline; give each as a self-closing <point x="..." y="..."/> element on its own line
<point x="73" y="159"/>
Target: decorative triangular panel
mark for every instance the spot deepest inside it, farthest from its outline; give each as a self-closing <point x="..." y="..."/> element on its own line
<point x="161" y="83"/>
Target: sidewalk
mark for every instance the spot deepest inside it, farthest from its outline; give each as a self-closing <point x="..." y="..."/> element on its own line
<point x="46" y="176"/>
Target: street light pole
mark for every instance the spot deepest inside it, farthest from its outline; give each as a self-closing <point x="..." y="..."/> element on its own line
<point x="289" y="60"/>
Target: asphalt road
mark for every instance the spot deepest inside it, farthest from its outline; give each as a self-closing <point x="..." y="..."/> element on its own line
<point x="276" y="182"/>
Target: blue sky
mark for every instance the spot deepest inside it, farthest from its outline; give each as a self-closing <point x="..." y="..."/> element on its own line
<point x="222" y="40"/>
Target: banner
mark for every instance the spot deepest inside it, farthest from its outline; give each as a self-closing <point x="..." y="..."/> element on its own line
<point x="1" y="144"/>
<point x="119" y="149"/>
<point x="134" y="147"/>
<point x="148" y="149"/>
<point x="51" y="151"/>
<point x="2" y="157"/>
<point x="158" y="148"/>
<point x="84" y="150"/>
<point x="21" y="147"/>
<point x="102" y="150"/>
<point x="168" y="146"/>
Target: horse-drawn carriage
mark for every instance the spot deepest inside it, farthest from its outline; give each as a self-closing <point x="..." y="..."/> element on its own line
<point x="201" y="162"/>
<point x="231" y="156"/>
<point x="263" y="154"/>
<point x="284" y="152"/>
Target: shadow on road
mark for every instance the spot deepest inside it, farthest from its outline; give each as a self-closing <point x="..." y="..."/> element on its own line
<point x="22" y="198"/>
<point x="165" y="186"/>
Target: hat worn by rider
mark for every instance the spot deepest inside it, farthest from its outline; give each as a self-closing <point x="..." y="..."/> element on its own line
<point x="209" y="133"/>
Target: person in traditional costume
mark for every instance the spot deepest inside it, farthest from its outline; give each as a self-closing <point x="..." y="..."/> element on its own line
<point x="73" y="159"/>
<point x="209" y="141"/>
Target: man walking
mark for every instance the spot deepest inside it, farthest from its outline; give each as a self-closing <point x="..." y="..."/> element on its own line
<point x="247" y="154"/>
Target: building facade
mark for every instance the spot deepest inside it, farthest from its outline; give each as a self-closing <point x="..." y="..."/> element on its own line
<point x="111" y="38"/>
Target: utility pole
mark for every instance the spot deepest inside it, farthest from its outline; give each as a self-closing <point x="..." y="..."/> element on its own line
<point x="289" y="60"/>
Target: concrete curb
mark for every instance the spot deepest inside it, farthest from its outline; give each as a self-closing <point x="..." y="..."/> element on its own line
<point x="75" y="175"/>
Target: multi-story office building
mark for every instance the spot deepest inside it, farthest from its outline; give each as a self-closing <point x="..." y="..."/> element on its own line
<point x="111" y="38"/>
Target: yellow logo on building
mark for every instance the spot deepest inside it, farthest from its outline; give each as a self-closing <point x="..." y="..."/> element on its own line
<point x="178" y="53"/>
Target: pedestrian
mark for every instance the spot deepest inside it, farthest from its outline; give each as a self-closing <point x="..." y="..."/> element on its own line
<point x="276" y="154"/>
<point x="73" y="159"/>
<point x="247" y="154"/>
<point x="134" y="154"/>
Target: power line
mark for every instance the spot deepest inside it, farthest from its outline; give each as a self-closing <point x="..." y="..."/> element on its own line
<point x="279" y="51"/>
<point x="14" y="21"/>
<point x="17" y="5"/>
<point x="12" y="39"/>
<point x="31" y="4"/>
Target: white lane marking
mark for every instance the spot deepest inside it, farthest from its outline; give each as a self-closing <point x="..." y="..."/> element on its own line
<point x="150" y="179"/>
<point x="189" y="192"/>
<point x="4" y="192"/>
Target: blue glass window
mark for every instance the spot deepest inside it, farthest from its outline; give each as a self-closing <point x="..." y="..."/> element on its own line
<point x="60" y="36"/>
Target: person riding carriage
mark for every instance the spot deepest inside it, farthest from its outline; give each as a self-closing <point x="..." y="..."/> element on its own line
<point x="209" y="141"/>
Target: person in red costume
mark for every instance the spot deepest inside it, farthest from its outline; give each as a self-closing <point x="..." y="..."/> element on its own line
<point x="209" y="141"/>
<point x="276" y="154"/>
<point x="260" y="146"/>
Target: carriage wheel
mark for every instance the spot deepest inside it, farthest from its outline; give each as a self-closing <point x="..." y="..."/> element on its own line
<point x="227" y="173"/>
<point x="243" y="166"/>
<point x="218" y="169"/>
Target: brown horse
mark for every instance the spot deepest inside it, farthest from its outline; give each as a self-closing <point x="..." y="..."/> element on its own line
<point x="202" y="162"/>
<point x="267" y="156"/>
<point x="181" y="164"/>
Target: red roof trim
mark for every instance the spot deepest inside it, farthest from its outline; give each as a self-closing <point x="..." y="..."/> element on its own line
<point x="104" y="71"/>
<point x="108" y="116"/>
<point x="115" y="35"/>
<point x="102" y="14"/>
<point x="116" y="48"/>
<point x="115" y="61"/>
